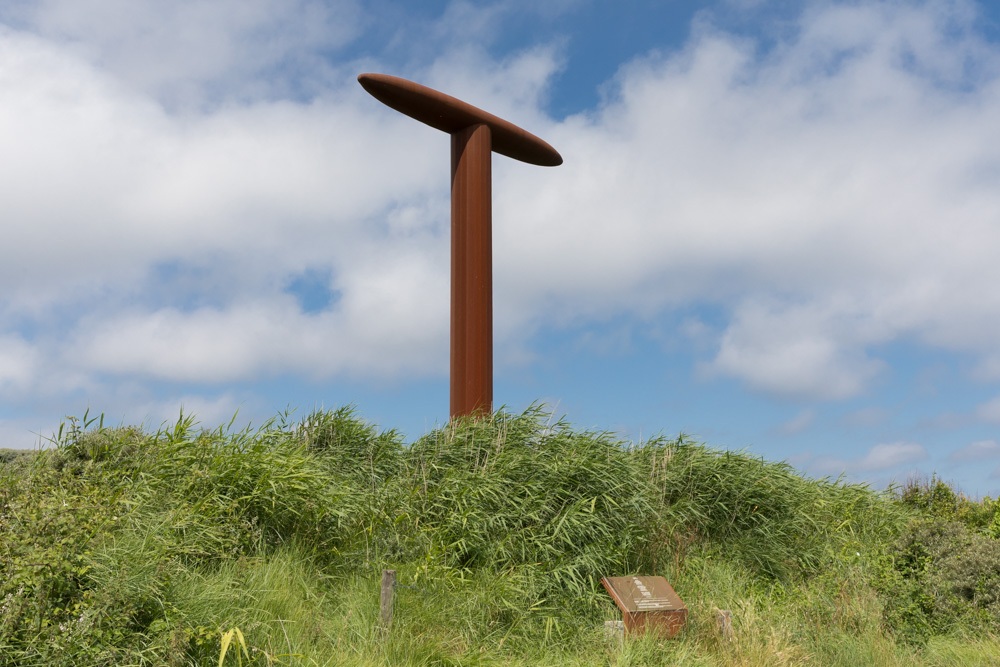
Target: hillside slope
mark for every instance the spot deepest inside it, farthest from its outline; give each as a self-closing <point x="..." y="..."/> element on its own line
<point x="122" y="547"/>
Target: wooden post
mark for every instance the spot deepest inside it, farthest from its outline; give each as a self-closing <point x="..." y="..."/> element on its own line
<point x="726" y="624"/>
<point x="388" y="583"/>
<point x="614" y="631"/>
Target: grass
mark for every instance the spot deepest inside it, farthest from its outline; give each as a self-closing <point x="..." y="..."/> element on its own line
<point x="121" y="547"/>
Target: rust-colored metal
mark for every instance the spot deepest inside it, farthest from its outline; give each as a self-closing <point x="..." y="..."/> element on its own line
<point x="471" y="272"/>
<point x="475" y="135"/>
<point x="648" y="604"/>
<point x="450" y="114"/>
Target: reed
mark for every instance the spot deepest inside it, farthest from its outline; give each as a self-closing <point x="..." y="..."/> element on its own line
<point x="190" y="546"/>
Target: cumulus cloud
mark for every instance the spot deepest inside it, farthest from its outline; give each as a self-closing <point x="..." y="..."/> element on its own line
<point x="881" y="457"/>
<point x="187" y="52"/>
<point x="884" y="456"/>
<point x="829" y="194"/>
<point x="18" y="364"/>
<point x="391" y="321"/>
<point x="981" y="450"/>
<point x="208" y="410"/>
<point x="796" y="351"/>
<point x="25" y="433"/>
<point x="798" y="424"/>
<point x="989" y="411"/>
<point x="101" y="185"/>
<point x="869" y="417"/>
<point x="834" y="193"/>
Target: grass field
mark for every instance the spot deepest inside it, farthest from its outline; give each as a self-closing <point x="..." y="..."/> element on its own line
<point x="194" y="546"/>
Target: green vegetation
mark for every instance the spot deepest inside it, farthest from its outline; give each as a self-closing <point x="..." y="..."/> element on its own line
<point x="266" y="546"/>
<point x="8" y="455"/>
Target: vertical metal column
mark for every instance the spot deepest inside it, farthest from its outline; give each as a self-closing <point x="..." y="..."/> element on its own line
<point x="475" y="134"/>
<point x="471" y="272"/>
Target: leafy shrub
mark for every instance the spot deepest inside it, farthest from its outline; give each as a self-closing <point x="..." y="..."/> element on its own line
<point x="944" y="576"/>
<point x="935" y="498"/>
<point x="14" y="456"/>
<point x="49" y="522"/>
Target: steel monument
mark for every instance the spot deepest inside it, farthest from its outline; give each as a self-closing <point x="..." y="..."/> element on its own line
<point x="475" y="135"/>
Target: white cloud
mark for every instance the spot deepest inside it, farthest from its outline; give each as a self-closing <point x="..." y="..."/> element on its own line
<point x="988" y="370"/>
<point x="798" y="424"/>
<point x="980" y="450"/>
<point x="31" y="370"/>
<point x="392" y="320"/>
<point x="831" y="195"/>
<point x="879" y="458"/>
<point x="795" y="351"/>
<point x="185" y="51"/>
<point x="209" y="411"/>
<point x="869" y="417"/>
<point x="989" y="411"/>
<point x="884" y="456"/>
<point x="122" y="408"/>
<point x="18" y="364"/>
<point x="25" y="434"/>
<point x="99" y="184"/>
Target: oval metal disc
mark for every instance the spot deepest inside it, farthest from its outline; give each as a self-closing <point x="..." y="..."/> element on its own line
<point x="449" y="114"/>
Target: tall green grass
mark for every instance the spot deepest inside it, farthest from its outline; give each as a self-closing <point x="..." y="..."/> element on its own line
<point x="120" y="547"/>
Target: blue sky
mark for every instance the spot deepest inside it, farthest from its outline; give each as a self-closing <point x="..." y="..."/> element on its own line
<point x="776" y="227"/>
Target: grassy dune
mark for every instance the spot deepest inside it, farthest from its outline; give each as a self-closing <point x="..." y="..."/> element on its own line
<point x="122" y="547"/>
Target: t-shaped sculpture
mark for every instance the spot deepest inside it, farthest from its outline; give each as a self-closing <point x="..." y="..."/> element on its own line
<point x="475" y="134"/>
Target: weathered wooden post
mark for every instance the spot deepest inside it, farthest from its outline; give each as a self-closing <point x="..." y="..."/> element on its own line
<point x="385" y="600"/>
<point x="726" y="625"/>
<point x="475" y="135"/>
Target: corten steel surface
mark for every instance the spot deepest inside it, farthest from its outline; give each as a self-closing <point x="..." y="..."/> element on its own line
<point x="475" y="134"/>
<point x="450" y="114"/>
<point x="471" y="272"/>
<point x="648" y="604"/>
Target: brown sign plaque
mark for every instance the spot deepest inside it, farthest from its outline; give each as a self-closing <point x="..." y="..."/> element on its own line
<point x="648" y="604"/>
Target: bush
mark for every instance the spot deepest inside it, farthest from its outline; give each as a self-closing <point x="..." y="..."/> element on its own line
<point x="934" y="498"/>
<point x="14" y="456"/>
<point x="49" y="523"/>
<point x="943" y="577"/>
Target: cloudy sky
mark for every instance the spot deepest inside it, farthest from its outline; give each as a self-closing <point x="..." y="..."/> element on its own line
<point x="777" y="226"/>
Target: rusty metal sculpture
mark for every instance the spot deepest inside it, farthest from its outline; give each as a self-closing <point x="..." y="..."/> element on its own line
<point x="475" y="134"/>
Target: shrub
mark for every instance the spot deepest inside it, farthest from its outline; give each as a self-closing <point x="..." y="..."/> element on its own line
<point x="944" y="576"/>
<point x="934" y="498"/>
